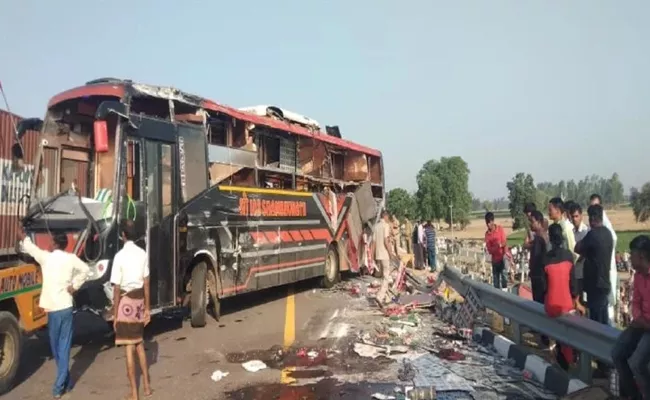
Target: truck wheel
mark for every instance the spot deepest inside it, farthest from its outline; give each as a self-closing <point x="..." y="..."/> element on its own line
<point x="10" y="343"/>
<point x="332" y="273"/>
<point x="198" y="297"/>
<point x="214" y="294"/>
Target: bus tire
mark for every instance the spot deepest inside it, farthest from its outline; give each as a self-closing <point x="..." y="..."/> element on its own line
<point x="198" y="297"/>
<point x="332" y="272"/>
<point x="213" y="291"/>
<point x="11" y="342"/>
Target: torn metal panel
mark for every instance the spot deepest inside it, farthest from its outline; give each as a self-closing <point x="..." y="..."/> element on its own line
<point x="366" y="202"/>
<point x="167" y="92"/>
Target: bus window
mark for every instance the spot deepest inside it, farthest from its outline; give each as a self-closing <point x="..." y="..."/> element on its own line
<point x="166" y="172"/>
<point x="195" y="163"/>
<point x="74" y="171"/>
<point x="133" y="171"/>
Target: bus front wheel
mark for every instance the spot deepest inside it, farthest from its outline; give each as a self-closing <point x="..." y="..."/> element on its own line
<point x="10" y="341"/>
<point x="199" y="297"/>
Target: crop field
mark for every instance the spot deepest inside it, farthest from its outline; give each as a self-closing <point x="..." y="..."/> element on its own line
<point x="622" y="220"/>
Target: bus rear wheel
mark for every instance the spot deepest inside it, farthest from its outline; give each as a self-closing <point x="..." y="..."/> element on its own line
<point x="10" y="341"/>
<point x="332" y="273"/>
<point x="199" y="296"/>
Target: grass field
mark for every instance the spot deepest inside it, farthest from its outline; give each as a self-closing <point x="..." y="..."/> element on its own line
<point x="622" y="244"/>
<point x="622" y="219"/>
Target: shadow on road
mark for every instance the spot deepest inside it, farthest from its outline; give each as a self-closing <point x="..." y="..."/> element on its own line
<point x="94" y="336"/>
<point x="249" y="300"/>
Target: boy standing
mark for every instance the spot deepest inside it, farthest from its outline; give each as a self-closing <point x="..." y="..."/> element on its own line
<point x="631" y="353"/>
<point x="495" y="243"/>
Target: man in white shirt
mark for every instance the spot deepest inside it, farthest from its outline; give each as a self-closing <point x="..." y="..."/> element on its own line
<point x="580" y="230"/>
<point x="613" y="271"/>
<point x="63" y="274"/>
<point x="131" y="305"/>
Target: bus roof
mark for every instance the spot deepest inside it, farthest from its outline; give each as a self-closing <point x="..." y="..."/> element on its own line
<point x="118" y="88"/>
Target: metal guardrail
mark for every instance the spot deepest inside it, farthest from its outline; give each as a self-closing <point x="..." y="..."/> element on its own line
<point x="591" y="339"/>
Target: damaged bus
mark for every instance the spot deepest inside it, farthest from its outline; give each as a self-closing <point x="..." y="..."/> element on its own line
<point x="226" y="200"/>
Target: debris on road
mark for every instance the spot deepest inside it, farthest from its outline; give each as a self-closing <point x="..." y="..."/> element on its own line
<point x="219" y="375"/>
<point x="380" y="396"/>
<point x="254" y="365"/>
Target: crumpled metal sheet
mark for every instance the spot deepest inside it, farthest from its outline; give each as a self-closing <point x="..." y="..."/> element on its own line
<point x="166" y="92"/>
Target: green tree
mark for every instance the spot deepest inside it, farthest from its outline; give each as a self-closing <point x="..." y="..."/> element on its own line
<point x="640" y="201"/>
<point x="442" y="184"/>
<point x="400" y="203"/>
<point x="616" y="190"/>
<point x="521" y="190"/>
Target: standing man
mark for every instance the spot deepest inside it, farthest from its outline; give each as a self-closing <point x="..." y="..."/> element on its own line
<point x="580" y="230"/>
<point x="613" y="272"/>
<point x="529" y="208"/>
<point x="381" y="240"/>
<point x="131" y="311"/>
<point x="430" y="234"/>
<point x="495" y="243"/>
<point x="556" y="213"/>
<point x="596" y="248"/>
<point x="538" y="249"/>
<point x="408" y="228"/>
<point x="422" y="243"/>
<point x="417" y="248"/>
<point x="395" y="233"/>
<point x="63" y="274"/>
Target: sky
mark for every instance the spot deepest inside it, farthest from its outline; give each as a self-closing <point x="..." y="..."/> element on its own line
<point x="558" y="89"/>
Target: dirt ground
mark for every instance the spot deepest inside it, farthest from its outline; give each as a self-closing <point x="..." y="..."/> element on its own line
<point x="622" y="220"/>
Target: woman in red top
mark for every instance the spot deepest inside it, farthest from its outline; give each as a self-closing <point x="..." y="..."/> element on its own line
<point x="560" y="287"/>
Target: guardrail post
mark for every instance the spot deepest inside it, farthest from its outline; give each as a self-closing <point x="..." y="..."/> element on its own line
<point x="516" y="331"/>
<point x="585" y="368"/>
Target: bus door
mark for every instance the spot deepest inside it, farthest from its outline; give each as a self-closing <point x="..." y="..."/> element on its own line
<point x="158" y="178"/>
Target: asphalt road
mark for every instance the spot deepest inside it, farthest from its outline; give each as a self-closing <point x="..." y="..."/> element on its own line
<point x="182" y="359"/>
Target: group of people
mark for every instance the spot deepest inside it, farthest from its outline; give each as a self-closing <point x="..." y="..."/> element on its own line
<point x="423" y="239"/>
<point x="386" y="241"/>
<point x="63" y="275"/>
<point x="572" y="269"/>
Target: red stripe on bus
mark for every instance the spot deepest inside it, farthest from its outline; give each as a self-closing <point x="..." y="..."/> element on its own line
<point x="272" y="236"/>
<point x="285" y="236"/>
<point x="321" y="234"/>
<point x="305" y="233"/>
<point x="296" y="236"/>
<point x="258" y="238"/>
<point x="269" y="267"/>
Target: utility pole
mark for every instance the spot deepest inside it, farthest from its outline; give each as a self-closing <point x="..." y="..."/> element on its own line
<point x="451" y="219"/>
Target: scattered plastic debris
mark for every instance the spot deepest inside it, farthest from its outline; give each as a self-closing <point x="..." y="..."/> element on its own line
<point x="254" y="365"/>
<point x="219" y="375"/>
<point x="380" y="396"/>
